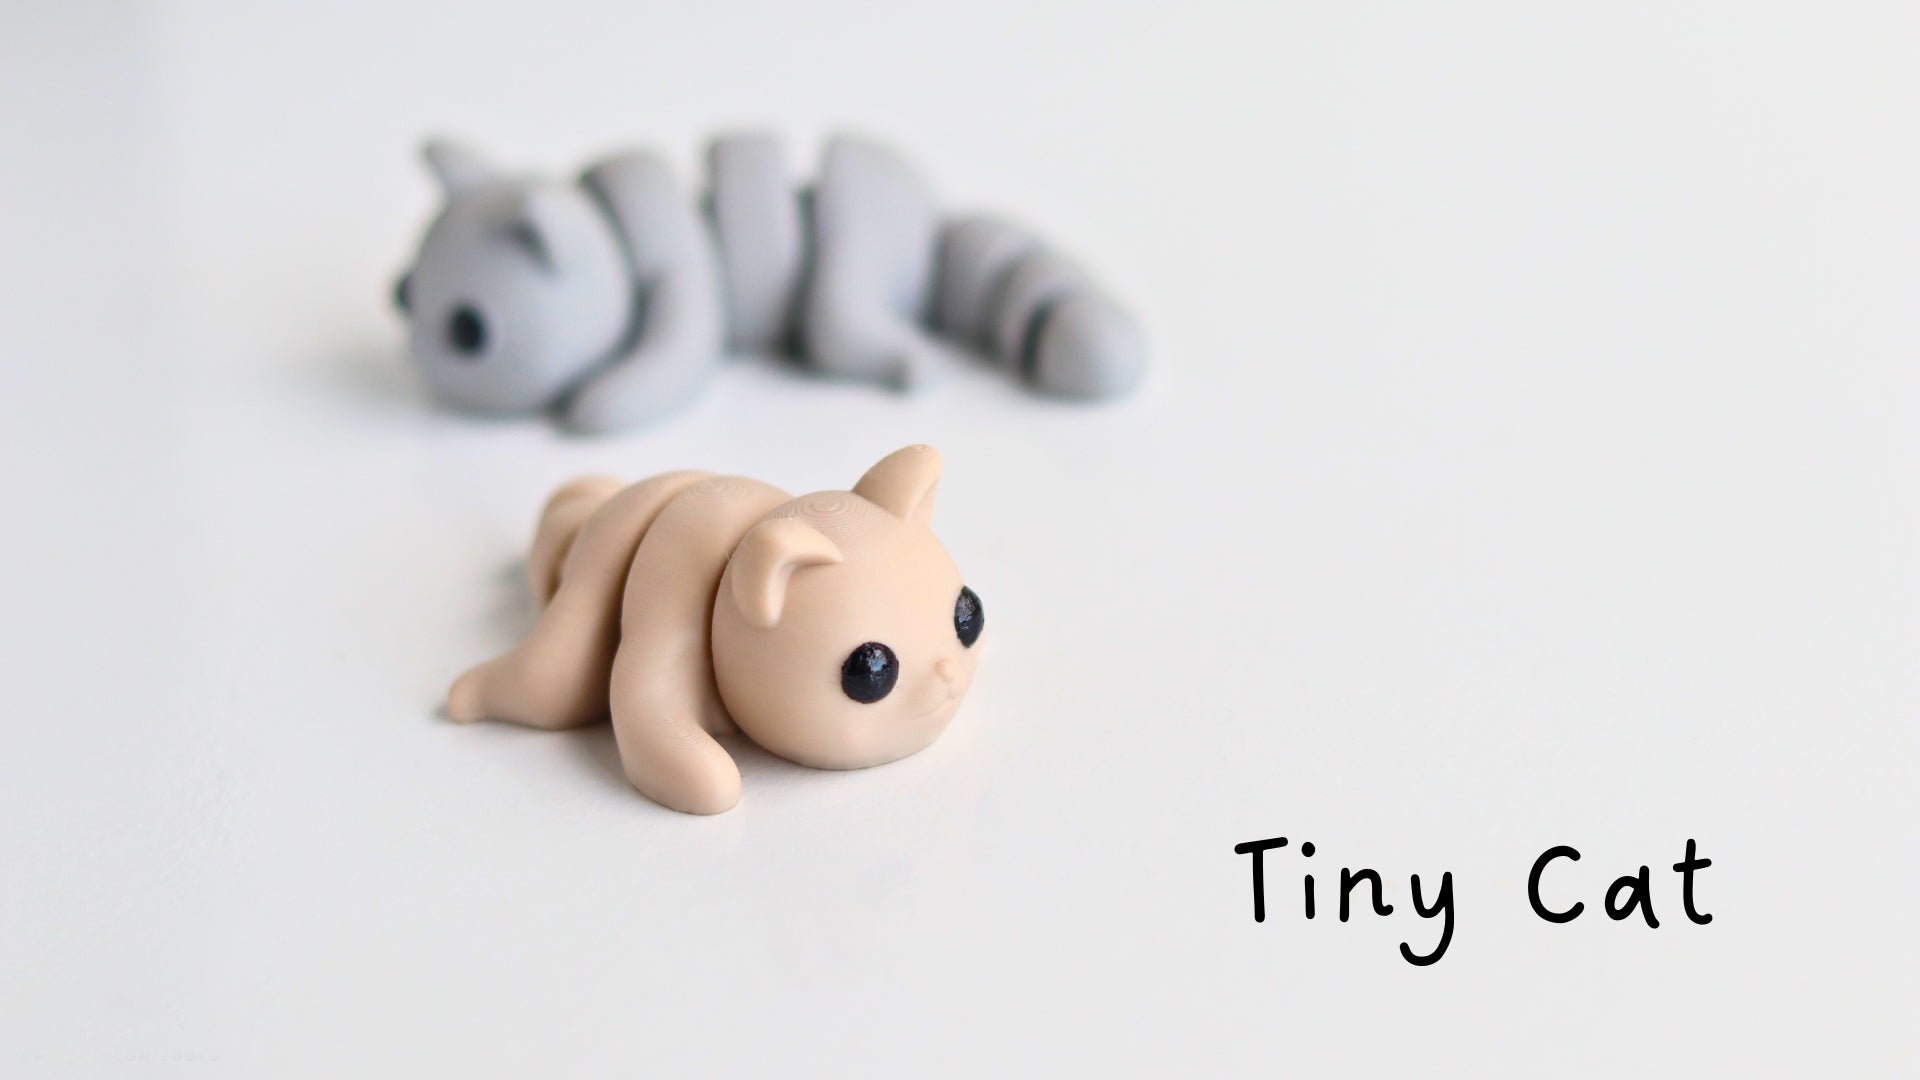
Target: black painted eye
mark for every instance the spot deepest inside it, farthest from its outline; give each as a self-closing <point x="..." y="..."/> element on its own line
<point x="869" y="673"/>
<point x="403" y="292"/>
<point x="466" y="332"/>
<point x="969" y="618"/>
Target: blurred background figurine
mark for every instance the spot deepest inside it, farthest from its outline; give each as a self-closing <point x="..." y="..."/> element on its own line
<point x="612" y="300"/>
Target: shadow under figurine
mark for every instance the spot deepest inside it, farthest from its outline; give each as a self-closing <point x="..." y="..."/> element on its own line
<point x="611" y="300"/>
<point x="831" y="629"/>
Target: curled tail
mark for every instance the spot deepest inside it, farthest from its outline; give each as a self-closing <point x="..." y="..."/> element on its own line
<point x="1002" y="291"/>
<point x="853" y="271"/>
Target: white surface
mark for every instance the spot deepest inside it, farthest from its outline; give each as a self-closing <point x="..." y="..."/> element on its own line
<point x="1530" y="460"/>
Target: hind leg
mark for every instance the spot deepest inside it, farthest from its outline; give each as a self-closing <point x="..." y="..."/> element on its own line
<point x="760" y="235"/>
<point x="875" y="232"/>
<point x="557" y="677"/>
<point x="566" y="511"/>
<point x="852" y="337"/>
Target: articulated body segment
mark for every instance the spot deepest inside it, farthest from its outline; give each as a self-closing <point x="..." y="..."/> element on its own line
<point x="614" y="298"/>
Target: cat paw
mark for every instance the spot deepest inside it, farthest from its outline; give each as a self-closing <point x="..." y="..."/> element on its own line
<point x="466" y="702"/>
<point x="622" y="401"/>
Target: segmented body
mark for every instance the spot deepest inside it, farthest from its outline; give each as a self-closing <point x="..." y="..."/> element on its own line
<point x="845" y="271"/>
<point x="688" y="603"/>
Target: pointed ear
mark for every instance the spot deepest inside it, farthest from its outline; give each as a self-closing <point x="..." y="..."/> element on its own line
<point x="765" y="561"/>
<point x="458" y="167"/>
<point x="902" y="483"/>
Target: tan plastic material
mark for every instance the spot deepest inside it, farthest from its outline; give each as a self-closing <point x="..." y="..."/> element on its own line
<point x="688" y="604"/>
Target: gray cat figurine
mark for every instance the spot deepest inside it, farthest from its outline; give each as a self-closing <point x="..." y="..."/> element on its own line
<point x="611" y="300"/>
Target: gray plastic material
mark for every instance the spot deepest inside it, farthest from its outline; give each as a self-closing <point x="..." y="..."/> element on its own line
<point x="1084" y="346"/>
<point x="678" y="330"/>
<point x="874" y="233"/>
<point x="976" y="255"/>
<point x="612" y="300"/>
<point x="761" y="238"/>
<point x="1018" y="311"/>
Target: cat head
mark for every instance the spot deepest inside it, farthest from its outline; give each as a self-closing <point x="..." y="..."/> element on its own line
<point x="520" y="286"/>
<point x="843" y="635"/>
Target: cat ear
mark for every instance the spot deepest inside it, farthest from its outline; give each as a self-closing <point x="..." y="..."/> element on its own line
<point x="765" y="561"/>
<point x="902" y="483"/>
<point x="458" y="167"/>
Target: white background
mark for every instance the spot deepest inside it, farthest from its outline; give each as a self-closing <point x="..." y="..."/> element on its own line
<point x="1530" y="459"/>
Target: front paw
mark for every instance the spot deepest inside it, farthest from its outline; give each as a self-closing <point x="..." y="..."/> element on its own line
<point x="693" y="779"/>
<point x="588" y="412"/>
<point x="466" y="702"/>
<point x="616" y="404"/>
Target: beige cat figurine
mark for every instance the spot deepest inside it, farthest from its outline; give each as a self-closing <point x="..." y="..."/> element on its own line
<point x="832" y="629"/>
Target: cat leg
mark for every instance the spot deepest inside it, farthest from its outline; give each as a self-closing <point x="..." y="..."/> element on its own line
<point x="557" y="677"/>
<point x="566" y="510"/>
<point x="860" y="339"/>
<point x="760" y="237"/>
<point x="679" y="323"/>
<point x="875" y="232"/>
<point x="672" y="360"/>
<point x="664" y="699"/>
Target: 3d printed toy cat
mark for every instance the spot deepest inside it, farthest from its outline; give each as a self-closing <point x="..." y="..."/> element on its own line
<point x="613" y="299"/>
<point x="832" y="629"/>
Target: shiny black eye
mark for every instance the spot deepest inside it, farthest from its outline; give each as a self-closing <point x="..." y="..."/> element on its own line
<point x="969" y="618"/>
<point x="466" y="332"/>
<point x="403" y="292"/>
<point x="869" y="673"/>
